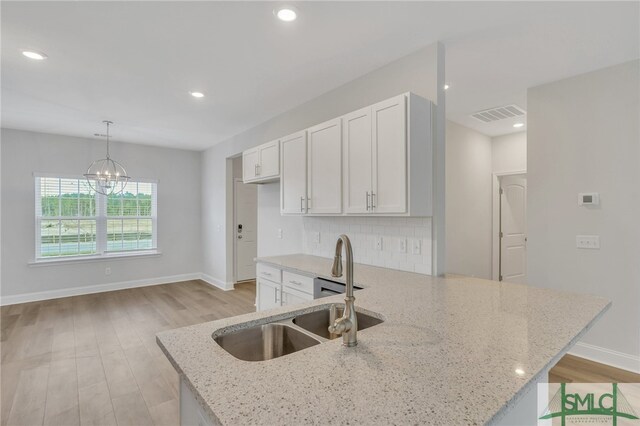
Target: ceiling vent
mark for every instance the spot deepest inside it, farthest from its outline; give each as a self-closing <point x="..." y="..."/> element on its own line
<point x="499" y="113"/>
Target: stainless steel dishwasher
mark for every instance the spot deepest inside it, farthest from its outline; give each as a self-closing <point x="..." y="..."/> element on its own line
<point x="325" y="288"/>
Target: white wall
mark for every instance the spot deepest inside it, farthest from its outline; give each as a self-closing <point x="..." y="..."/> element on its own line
<point x="416" y="72"/>
<point x="468" y="200"/>
<point x="509" y="153"/>
<point x="24" y="153"/>
<point x="583" y="135"/>
<point x="270" y="221"/>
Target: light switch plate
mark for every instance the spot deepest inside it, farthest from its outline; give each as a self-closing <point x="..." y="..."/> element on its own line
<point x="378" y="243"/>
<point x="316" y="237"/>
<point x="588" y="242"/>
<point x="416" y="247"/>
<point x="280" y="233"/>
<point x="402" y="245"/>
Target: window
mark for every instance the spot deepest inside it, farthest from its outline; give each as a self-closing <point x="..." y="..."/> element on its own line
<point x="73" y="220"/>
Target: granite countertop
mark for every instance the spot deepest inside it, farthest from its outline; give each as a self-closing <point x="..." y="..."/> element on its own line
<point x="446" y="353"/>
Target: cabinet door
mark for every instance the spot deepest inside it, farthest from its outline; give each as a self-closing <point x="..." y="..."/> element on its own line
<point x="324" y="168"/>
<point x="250" y="160"/>
<point x="357" y="161"/>
<point x="269" y="295"/>
<point x="389" y="156"/>
<point x="293" y="174"/>
<point x="293" y="297"/>
<point x="269" y="160"/>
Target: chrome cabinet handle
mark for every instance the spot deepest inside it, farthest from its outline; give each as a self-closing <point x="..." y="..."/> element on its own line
<point x="266" y="273"/>
<point x="367" y="200"/>
<point x="276" y="294"/>
<point x="295" y="282"/>
<point x="301" y="204"/>
<point x="373" y="204"/>
<point x="258" y="168"/>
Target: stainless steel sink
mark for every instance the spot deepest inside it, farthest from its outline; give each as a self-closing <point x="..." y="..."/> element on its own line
<point x="263" y="342"/>
<point x="318" y="322"/>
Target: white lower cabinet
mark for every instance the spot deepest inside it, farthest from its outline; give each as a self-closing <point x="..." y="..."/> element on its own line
<point x="293" y="297"/>
<point x="293" y="289"/>
<point x="269" y="294"/>
<point x="191" y="413"/>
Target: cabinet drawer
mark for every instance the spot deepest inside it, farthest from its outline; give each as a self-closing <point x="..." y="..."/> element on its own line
<point x="297" y="282"/>
<point x="269" y="272"/>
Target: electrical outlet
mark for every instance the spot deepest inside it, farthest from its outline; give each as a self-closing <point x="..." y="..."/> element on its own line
<point x="378" y="243"/>
<point x="107" y="271"/>
<point x="316" y="237"/>
<point x="402" y="246"/>
<point x="416" y="247"/>
<point x="588" y="242"/>
<point x="280" y="233"/>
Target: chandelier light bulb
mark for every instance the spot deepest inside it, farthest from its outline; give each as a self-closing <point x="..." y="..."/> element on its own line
<point x="107" y="176"/>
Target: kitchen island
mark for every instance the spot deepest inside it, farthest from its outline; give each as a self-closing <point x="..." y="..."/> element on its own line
<point x="451" y="351"/>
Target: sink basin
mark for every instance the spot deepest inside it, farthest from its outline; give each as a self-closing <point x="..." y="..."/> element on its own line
<point x="318" y="322"/>
<point x="263" y="342"/>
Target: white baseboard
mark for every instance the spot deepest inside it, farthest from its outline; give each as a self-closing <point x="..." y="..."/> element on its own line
<point x="222" y="285"/>
<point x="607" y="356"/>
<point x="100" y="288"/>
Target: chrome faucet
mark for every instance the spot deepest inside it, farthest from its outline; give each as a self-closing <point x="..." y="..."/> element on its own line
<point x="347" y="325"/>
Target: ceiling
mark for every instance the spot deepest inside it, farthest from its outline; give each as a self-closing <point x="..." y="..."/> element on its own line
<point x="136" y="62"/>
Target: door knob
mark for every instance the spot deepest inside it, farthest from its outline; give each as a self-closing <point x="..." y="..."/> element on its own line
<point x="239" y="237"/>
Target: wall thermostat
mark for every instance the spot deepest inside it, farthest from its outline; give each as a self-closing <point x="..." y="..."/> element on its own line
<point x="588" y="199"/>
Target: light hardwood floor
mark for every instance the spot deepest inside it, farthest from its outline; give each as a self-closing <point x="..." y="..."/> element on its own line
<point x="579" y="370"/>
<point x="93" y="359"/>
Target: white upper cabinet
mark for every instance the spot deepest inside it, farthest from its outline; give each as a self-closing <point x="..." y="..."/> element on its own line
<point x="389" y="142"/>
<point x="262" y="163"/>
<point x="358" y="161"/>
<point x="293" y="176"/>
<point x="324" y="168"/>
<point x="387" y="158"/>
<point x="374" y="161"/>
<point x="250" y="162"/>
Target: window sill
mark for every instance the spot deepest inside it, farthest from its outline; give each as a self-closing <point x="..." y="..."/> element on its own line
<point x="100" y="258"/>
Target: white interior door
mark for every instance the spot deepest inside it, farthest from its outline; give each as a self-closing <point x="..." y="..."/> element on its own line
<point x="513" y="228"/>
<point x="246" y="224"/>
<point x="357" y="161"/>
<point x="324" y="168"/>
<point x="389" y="156"/>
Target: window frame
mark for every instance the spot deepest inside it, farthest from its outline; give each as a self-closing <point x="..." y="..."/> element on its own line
<point x="101" y="224"/>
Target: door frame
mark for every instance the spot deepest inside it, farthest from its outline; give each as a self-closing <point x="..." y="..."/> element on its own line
<point x="234" y="228"/>
<point x="495" y="229"/>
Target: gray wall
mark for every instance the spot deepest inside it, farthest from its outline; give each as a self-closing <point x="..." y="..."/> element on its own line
<point x="509" y="153"/>
<point x="468" y="200"/>
<point x="416" y="72"/>
<point x="24" y="153"/>
<point x="583" y="135"/>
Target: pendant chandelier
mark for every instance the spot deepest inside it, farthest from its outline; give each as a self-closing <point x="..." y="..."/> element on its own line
<point x="106" y="176"/>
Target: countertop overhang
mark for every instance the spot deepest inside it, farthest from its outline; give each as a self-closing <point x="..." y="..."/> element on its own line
<point x="447" y="352"/>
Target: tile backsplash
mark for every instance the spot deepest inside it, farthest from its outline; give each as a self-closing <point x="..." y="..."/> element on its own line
<point x="366" y="232"/>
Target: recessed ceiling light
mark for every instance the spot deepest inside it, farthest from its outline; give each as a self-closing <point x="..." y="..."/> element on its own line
<point x="197" y="94"/>
<point x="518" y="125"/>
<point x="286" y="14"/>
<point x="519" y="371"/>
<point x="38" y="56"/>
<point x="446" y="87"/>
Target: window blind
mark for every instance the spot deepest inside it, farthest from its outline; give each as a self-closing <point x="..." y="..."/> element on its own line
<point x="74" y="220"/>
